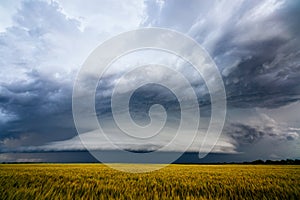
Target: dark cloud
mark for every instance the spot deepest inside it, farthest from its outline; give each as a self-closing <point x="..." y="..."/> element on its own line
<point x="245" y="135"/>
<point x="42" y="110"/>
<point x="257" y="52"/>
<point x="266" y="77"/>
<point x="255" y="45"/>
<point x="266" y="71"/>
<point x="35" y="85"/>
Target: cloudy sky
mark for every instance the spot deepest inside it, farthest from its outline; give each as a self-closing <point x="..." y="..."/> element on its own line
<point x="255" y="45"/>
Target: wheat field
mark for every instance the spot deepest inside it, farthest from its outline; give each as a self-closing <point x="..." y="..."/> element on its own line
<point x="97" y="181"/>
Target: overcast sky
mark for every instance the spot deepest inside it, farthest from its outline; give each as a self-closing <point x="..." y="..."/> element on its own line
<point x="254" y="43"/>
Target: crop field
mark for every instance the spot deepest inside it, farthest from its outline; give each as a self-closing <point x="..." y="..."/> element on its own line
<point x="97" y="181"/>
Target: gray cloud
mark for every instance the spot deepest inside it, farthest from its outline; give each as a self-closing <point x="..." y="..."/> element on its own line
<point x="41" y="111"/>
<point x="245" y="134"/>
<point x="254" y="43"/>
<point x="263" y="137"/>
<point x="36" y="78"/>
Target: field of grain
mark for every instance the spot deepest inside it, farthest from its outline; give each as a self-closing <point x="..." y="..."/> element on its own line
<point x="96" y="181"/>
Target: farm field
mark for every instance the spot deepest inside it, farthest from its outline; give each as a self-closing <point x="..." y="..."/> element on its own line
<point x="97" y="181"/>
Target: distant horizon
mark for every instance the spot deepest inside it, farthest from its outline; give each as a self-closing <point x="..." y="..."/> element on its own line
<point x="84" y="156"/>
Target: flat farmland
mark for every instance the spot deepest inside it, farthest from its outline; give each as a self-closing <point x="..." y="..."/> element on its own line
<point x="97" y="181"/>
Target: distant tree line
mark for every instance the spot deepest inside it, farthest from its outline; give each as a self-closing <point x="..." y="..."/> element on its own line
<point x="275" y="162"/>
<point x="255" y="162"/>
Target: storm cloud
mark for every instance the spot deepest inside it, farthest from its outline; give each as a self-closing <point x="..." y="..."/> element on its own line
<point x="255" y="45"/>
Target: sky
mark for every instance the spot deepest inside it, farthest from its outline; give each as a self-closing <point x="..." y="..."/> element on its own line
<point x="255" y="45"/>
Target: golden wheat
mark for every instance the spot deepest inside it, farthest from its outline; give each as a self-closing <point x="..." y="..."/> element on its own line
<point x="96" y="181"/>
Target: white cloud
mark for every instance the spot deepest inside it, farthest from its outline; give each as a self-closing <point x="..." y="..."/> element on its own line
<point x="7" y="10"/>
<point x="263" y="10"/>
<point x="48" y="37"/>
<point x="107" y="16"/>
<point x="95" y="141"/>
